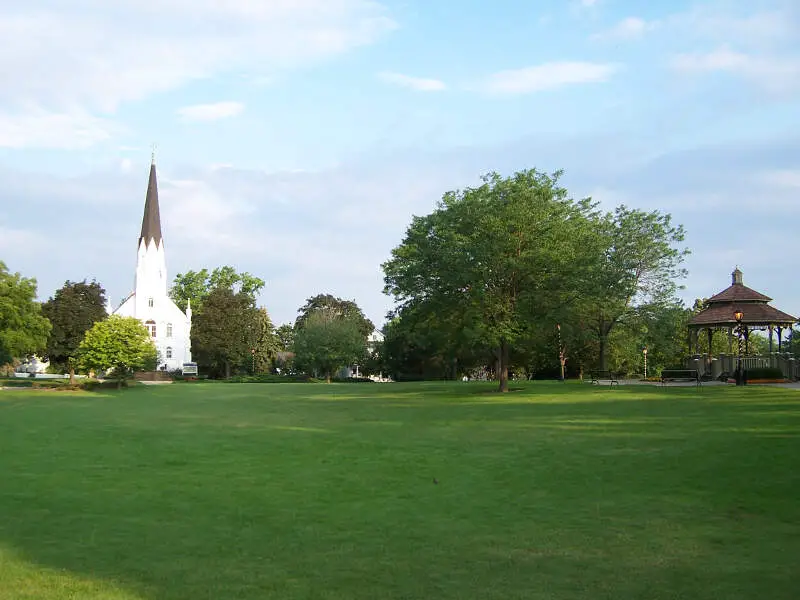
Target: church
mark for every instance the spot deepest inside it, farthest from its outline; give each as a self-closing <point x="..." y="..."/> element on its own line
<point x="149" y="302"/>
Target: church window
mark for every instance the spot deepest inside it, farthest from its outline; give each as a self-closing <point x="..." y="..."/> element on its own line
<point x="169" y="352"/>
<point x="150" y="302"/>
<point x="151" y="327"/>
<point x="169" y="329"/>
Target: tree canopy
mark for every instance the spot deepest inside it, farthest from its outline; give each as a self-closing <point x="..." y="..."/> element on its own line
<point x="227" y="330"/>
<point x="507" y="267"/>
<point x="337" y="308"/>
<point x="121" y="344"/>
<point x="197" y="285"/>
<point x="23" y="327"/>
<point x="72" y="311"/>
<point x="493" y="259"/>
<point x="326" y="343"/>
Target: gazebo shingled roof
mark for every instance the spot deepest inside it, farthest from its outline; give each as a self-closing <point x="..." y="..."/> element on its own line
<point x="754" y="306"/>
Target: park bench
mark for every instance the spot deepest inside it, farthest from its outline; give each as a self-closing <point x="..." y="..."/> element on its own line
<point x="598" y="376"/>
<point x="680" y="375"/>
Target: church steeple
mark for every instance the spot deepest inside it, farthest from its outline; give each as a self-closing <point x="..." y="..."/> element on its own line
<point x="151" y="221"/>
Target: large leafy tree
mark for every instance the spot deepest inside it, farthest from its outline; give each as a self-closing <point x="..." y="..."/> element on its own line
<point x="23" y="327"/>
<point x="72" y="311"/>
<point x="495" y="258"/>
<point x="326" y="343"/>
<point x="226" y="330"/>
<point x="639" y="264"/>
<point x="337" y="308"/>
<point x="120" y="344"/>
<point x="197" y="285"/>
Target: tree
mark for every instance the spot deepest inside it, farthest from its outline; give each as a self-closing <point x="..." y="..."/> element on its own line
<point x="197" y="285"/>
<point x="325" y="343"/>
<point x="23" y="327"/>
<point x="267" y="344"/>
<point x="495" y="258"/>
<point x="120" y="344"/>
<point x="344" y="309"/>
<point x="225" y="330"/>
<point x="285" y="336"/>
<point x="72" y="311"/>
<point x="639" y="264"/>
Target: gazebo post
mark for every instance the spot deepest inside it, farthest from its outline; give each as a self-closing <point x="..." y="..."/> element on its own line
<point x="780" y="329"/>
<point x="710" y="339"/>
<point x="770" y="338"/>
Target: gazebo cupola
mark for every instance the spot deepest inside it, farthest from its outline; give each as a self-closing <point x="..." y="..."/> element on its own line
<point x="756" y="313"/>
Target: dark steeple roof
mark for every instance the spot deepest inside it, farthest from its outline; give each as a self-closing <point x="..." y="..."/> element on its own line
<point x="151" y="221"/>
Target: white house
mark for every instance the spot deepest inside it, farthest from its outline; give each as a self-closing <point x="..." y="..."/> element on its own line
<point x="149" y="302"/>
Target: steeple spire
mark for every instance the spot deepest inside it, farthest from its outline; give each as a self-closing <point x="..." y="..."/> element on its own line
<point x="151" y="221"/>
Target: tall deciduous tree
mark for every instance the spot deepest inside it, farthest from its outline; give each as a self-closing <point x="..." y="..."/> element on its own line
<point x="72" y="311"/>
<point x="225" y="330"/>
<point x="197" y="285"/>
<point x="640" y="264"/>
<point x="23" y="328"/>
<point x="327" y="342"/>
<point x="337" y="308"/>
<point x="496" y="257"/>
<point x="121" y="344"/>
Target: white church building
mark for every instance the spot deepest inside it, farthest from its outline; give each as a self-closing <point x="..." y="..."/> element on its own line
<point x="168" y="325"/>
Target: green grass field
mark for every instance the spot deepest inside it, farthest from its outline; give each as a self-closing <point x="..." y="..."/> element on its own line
<point x="216" y="491"/>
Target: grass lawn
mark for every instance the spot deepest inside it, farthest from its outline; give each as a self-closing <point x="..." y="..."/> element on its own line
<point x="288" y="491"/>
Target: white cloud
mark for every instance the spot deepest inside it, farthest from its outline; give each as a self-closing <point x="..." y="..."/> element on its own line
<point x="415" y="83"/>
<point x="547" y="76"/>
<point x="630" y="28"/>
<point x="775" y="74"/>
<point x="211" y="112"/>
<point x="85" y="56"/>
<point x="62" y="131"/>
<point x="781" y="178"/>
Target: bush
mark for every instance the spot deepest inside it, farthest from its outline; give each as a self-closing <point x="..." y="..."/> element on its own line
<point x="764" y="373"/>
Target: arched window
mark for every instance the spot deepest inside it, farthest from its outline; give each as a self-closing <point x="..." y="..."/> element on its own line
<point x="169" y="352"/>
<point x="151" y="327"/>
<point x="150" y="302"/>
<point x="169" y="329"/>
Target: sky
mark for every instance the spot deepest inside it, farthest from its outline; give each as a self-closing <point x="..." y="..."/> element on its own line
<point x="295" y="139"/>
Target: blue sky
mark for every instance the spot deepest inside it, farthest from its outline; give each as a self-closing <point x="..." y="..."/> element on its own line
<point x="296" y="138"/>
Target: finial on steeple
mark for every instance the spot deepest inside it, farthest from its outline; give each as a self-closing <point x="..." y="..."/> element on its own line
<point x="736" y="276"/>
<point x="153" y="154"/>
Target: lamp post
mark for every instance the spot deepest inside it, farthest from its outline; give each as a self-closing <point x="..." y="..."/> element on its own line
<point x="739" y="334"/>
<point x="645" y="361"/>
<point x="253" y="355"/>
<point x="561" y="360"/>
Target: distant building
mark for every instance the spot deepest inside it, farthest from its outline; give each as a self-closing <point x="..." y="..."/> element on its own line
<point x="149" y="302"/>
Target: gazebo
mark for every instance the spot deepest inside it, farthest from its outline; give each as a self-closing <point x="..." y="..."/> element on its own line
<point x="754" y="313"/>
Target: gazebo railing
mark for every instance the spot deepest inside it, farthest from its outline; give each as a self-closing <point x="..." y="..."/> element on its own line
<point x="726" y="363"/>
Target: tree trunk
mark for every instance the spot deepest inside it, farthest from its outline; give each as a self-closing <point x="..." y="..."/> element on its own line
<point x="119" y="383"/>
<point x="227" y="369"/>
<point x="502" y="365"/>
<point x="328" y="377"/>
<point x="71" y="375"/>
<point x="603" y="356"/>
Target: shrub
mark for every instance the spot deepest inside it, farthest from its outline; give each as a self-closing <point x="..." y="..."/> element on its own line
<point x="764" y="373"/>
